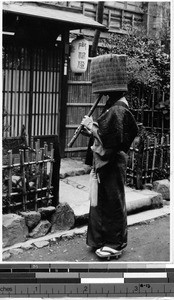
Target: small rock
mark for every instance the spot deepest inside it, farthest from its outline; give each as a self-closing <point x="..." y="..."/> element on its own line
<point x="162" y="187"/>
<point x="14" y="229"/>
<point x="68" y="235"/>
<point x="148" y="186"/>
<point x="6" y="255"/>
<point x="46" y="212"/>
<point x="16" y="251"/>
<point x="41" y="229"/>
<point x="26" y="246"/>
<point x="63" y="218"/>
<point x="32" y="218"/>
<point x="41" y="244"/>
<point x="157" y="201"/>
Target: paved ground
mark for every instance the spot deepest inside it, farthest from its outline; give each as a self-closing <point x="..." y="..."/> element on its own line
<point x="148" y="241"/>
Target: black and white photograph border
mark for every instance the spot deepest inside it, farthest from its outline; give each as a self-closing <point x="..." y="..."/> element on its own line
<point x="68" y="244"/>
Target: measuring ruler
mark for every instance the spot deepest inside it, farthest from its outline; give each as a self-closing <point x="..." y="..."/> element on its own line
<point x="86" y="280"/>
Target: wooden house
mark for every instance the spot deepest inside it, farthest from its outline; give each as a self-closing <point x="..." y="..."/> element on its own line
<point x="35" y="56"/>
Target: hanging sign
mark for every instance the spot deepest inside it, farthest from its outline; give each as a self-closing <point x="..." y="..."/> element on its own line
<point x="79" y="55"/>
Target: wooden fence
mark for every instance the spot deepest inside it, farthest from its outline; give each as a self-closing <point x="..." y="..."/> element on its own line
<point x="27" y="178"/>
<point x="148" y="160"/>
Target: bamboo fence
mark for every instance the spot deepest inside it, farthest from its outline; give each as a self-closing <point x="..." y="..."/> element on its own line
<point x="148" y="161"/>
<point x="27" y="178"/>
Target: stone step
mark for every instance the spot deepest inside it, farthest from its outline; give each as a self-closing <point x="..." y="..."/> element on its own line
<point x="74" y="190"/>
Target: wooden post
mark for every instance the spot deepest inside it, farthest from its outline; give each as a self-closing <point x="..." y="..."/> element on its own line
<point x="100" y="10"/>
<point x="56" y="168"/>
<point x="63" y="90"/>
<point x="30" y="97"/>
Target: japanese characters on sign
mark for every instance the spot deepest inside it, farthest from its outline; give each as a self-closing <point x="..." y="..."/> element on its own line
<point x="79" y="55"/>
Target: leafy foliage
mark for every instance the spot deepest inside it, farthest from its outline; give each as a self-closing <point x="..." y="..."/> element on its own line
<point x="148" y="63"/>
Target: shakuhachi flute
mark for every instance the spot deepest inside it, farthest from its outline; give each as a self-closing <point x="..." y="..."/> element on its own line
<point x="79" y="128"/>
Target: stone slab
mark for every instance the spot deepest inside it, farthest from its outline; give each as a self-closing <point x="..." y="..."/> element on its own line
<point x="77" y="198"/>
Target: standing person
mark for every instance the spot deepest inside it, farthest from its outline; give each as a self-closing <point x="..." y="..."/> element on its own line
<point x="113" y="134"/>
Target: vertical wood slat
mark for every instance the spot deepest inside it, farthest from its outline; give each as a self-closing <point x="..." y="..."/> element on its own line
<point x="53" y="123"/>
<point x="45" y="154"/>
<point x="34" y="121"/>
<point x="162" y="121"/>
<point x="24" y="195"/>
<point x="46" y="93"/>
<point x="153" y="103"/>
<point x="51" y="171"/>
<point x="18" y="123"/>
<point x="162" y="152"/>
<point x="31" y="154"/>
<point x="10" y="161"/>
<point x="139" y="165"/>
<point x="132" y="164"/>
<point x="41" y="169"/>
<point x="153" y="160"/>
<point x="168" y="149"/>
<point x="27" y="168"/>
<point x="37" y="176"/>
<point x="147" y="160"/>
<point x="42" y="94"/>
<point x="11" y="97"/>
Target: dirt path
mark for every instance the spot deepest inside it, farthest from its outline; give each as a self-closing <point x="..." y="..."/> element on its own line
<point x="146" y="242"/>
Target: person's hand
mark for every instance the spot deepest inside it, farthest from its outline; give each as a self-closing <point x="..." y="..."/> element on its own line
<point x="86" y="132"/>
<point x="87" y="122"/>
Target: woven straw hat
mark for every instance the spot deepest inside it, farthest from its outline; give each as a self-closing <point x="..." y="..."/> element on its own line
<point x="108" y="73"/>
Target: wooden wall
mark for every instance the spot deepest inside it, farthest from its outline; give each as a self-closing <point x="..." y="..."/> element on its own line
<point x="116" y="13"/>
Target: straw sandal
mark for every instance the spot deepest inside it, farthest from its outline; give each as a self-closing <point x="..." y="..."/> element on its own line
<point x="107" y="252"/>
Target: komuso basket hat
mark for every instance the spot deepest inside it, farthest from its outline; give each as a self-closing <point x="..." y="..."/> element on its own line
<point x="109" y="73"/>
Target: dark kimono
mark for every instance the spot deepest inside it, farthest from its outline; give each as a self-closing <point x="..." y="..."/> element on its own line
<point x="114" y="133"/>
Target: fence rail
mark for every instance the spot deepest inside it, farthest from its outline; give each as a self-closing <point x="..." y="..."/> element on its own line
<point x="27" y="178"/>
